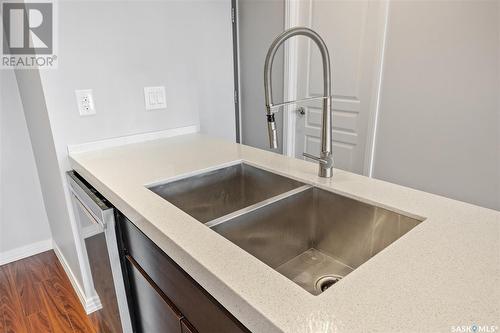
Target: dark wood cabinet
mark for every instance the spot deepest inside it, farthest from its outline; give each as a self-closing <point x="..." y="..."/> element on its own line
<point x="198" y="311"/>
<point x="153" y="313"/>
<point x="186" y="327"/>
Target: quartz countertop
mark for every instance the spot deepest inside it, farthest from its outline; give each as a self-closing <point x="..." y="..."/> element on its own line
<point x="442" y="275"/>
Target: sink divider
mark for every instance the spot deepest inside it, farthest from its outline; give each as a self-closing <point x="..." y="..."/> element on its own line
<point x="256" y="206"/>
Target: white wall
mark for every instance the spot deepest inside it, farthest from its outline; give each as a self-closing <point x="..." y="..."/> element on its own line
<point x="260" y="21"/>
<point x="116" y="48"/>
<point x="439" y="114"/>
<point x="40" y="133"/>
<point x="213" y="51"/>
<point x="23" y="221"/>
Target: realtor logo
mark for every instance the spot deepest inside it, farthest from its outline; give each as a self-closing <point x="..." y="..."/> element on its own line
<point x="28" y="34"/>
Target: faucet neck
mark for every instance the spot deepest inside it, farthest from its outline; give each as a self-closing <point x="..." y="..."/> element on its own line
<point x="326" y="132"/>
<point x="297" y="31"/>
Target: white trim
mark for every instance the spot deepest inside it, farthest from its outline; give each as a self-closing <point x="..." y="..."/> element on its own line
<point x="238" y="89"/>
<point x="90" y="304"/>
<point x="371" y="130"/>
<point x="292" y="13"/>
<point x="25" y="251"/>
<point x="129" y="139"/>
<point x="294" y="16"/>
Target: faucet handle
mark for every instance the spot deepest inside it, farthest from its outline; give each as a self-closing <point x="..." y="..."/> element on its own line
<point x="317" y="159"/>
<point x="326" y="162"/>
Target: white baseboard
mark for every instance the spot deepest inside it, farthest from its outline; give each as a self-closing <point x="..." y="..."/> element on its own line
<point x="129" y="139"/>
<point x="25" y="251"/>
<point x="90" y="304"/>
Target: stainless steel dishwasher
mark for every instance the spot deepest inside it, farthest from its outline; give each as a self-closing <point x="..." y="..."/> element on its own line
<point x="96" y="214"/>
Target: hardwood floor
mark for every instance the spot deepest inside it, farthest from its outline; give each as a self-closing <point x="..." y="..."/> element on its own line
<point x="36" y="296"/>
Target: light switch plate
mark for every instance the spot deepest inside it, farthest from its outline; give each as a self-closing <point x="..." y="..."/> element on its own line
<point x="85" y="102"/>
<point x="154" y="98"/>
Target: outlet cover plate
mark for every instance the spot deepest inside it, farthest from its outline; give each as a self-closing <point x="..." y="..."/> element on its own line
<point x="85" y="102"/>
<point x="154" y="98"/>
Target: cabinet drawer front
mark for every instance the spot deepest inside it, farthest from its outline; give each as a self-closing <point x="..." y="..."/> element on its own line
<point x="197" y="305"/>
<point x="152" y="312"/>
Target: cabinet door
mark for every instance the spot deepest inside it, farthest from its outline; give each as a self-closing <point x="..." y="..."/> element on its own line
<point x="151" y="310"/>
<point x="203" y="311"/>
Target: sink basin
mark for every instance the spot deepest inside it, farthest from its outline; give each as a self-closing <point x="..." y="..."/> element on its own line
<point x="315" y="237"/>
<point x="311" y="236"/>
<point x="211" y="195"/>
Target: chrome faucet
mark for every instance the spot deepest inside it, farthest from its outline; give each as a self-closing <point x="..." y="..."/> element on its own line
<point x="325" y="159"/>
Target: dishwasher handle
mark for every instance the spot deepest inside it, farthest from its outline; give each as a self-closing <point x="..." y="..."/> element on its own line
<point x="91" y="217"/>
<point x="90" y="199"/>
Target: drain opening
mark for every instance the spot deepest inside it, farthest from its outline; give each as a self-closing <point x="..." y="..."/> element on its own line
<point x="327" y="281"/>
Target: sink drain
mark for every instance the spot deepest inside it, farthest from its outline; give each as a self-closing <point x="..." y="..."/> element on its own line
<point x="326" y="282"/>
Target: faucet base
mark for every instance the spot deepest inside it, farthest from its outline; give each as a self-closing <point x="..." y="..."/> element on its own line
<point x="325" y="173"/>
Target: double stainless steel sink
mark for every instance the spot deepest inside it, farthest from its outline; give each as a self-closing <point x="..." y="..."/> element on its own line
<point x="312" y="236"/>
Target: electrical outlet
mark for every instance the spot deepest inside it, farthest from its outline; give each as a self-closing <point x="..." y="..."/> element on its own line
<point x="154" y="98"/>
<point x="85" y="102"/>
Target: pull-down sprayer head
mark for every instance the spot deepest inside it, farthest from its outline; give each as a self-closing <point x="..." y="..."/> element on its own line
<point x="271" y="129"/>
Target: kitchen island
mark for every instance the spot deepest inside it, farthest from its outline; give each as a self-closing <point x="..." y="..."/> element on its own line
<point x="441" y="276"/>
